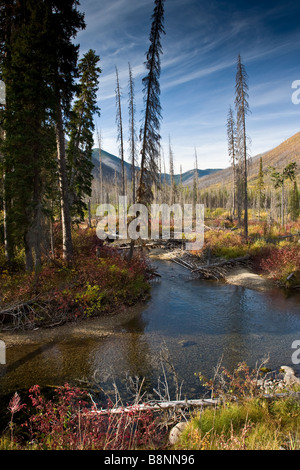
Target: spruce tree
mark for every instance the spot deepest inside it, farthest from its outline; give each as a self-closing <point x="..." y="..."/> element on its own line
<point x="149" y="132"/>
<point x="279" y="179"/>
<point x="64" y="21"/>
<point x="28" y="144"/>
<point x="81" y="129"/>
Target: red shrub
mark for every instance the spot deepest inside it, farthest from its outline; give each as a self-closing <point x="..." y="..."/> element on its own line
<point x="68" y="422"/>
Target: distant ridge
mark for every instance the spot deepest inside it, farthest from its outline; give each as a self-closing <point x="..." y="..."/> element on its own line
<point x="287" y="152"/>
<point x="112" y="164"/>
<point x="280" y="156"/>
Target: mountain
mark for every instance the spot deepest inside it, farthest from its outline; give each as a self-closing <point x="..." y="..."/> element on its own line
<point x="112" y="164"/>
<point x="280" y="156"/>
<point x="287" y="152"/>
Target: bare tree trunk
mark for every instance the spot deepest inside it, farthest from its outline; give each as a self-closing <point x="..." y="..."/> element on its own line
<point x="245" y="182"/>
<point x="51" y="236"/>
<point x="282" y="204"/>
<point x="132" y="133"/>
<point x="89" y="214"/>
<point x="7" y="244"/>
<point x="120" y="130"/>
<point x="100" y="166"/>
<point x="63" y="186"/>
<point x="28" y="254"/>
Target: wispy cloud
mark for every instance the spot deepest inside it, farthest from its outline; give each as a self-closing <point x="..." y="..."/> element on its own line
<point x="200" y="48"/>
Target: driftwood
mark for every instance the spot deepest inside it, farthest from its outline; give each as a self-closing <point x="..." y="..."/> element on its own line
<point x="25" y="315"/>
<point x="160" y="406"/>
<point x="213" y="271"/>
<point x="282" y="237"/>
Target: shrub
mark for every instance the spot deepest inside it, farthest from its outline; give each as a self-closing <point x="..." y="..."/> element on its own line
<point x="99" y="280"/>
<point x="280" y="262"/>
<point x="71" y="421"/>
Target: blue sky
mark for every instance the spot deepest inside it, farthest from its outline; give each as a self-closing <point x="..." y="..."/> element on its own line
<point x="201" y="45"/>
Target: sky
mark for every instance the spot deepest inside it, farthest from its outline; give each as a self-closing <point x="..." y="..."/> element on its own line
<point x="198" y="68"/>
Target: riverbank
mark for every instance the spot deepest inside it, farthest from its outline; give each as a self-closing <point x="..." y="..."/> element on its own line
<point x="238" y="276"/>
<point x="246" y="278"/>
<point x="100" y="327"/>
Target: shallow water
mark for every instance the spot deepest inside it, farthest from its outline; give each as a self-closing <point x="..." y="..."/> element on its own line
<point x="196" y="322"/>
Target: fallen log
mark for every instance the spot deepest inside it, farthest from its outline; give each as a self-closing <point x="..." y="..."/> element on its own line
<point x="215" y="271"/>
<point x="159" y="406"/>
<point x="228" y="263"/>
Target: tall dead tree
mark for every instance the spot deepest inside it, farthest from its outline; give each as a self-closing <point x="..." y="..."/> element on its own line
<point x="100" y="165"/>
<point x="120" y="129"/>
<point x="132" y="132"/>
<point x="242" y="109"/>
<point x="231" y="134"/>
<point x="171" y="166"/>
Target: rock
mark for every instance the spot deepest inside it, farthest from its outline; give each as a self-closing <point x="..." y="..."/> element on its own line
<point x="186" y="344"/>
<point x="289" y="376"/>
<point x="175" y="432"/>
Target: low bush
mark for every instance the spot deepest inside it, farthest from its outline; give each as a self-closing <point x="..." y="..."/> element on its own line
<point x="281" y="263"/>
<point x="70" y="420"/>
<point x="99" y="281"/>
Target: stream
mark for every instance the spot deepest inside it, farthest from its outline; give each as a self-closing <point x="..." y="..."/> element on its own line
<point x="196" y="322"/>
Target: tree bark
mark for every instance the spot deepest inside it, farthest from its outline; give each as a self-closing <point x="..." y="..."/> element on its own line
<point x="63" y="186"/>
<point x="7" y="243"/>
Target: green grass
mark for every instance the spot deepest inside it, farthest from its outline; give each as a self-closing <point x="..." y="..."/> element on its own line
<point x="254" y="424"/>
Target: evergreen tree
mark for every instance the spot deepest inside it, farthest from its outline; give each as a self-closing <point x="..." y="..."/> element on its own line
<point x="81" y="129"/>
<point x="64" y="21"/>
<point x="149" y="132"/>
<point x="28" y="144"/>
<point x="279" y="182"/>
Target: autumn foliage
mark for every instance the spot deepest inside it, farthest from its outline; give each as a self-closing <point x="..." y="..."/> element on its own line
<point x="99" y="281"/>
<point x="70" y="420"/>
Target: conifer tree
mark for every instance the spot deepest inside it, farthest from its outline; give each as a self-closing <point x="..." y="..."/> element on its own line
<point x="81" y="129"/>
<point x="64" y="21"/>
<point x="28" y="143"/>
<point x="279" y="179"/>
<point x="149" y="133"/>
